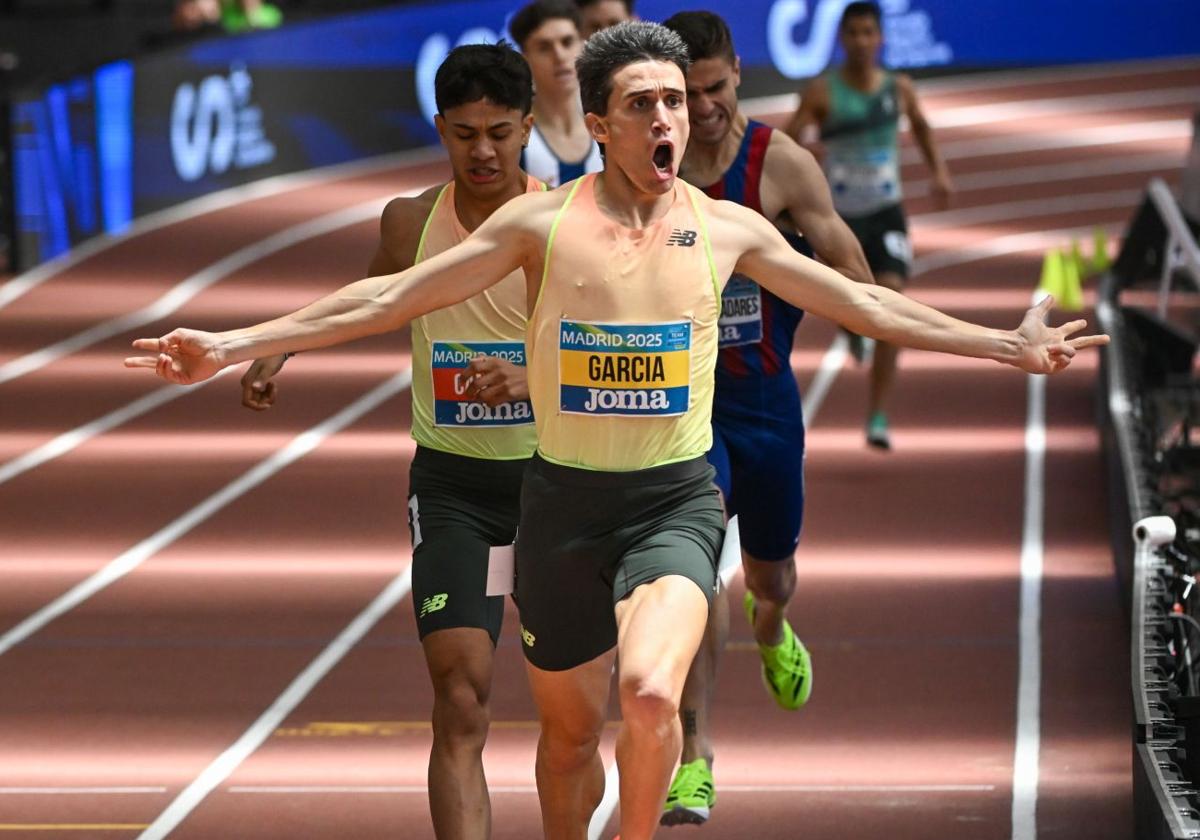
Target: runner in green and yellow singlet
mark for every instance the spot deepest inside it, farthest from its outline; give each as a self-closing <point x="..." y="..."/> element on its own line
<point x="472" y="419"/>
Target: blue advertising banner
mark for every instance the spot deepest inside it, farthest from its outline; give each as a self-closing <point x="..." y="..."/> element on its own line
<point x="134" y="137"/>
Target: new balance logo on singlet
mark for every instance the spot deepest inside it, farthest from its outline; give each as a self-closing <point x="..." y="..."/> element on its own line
<point x="686" y="238"/>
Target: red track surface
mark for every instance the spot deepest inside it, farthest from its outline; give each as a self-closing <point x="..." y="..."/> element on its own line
<point x="909" y="566"/>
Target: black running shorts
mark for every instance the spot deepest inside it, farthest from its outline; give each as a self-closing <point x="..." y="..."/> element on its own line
<point x="458" y="508"/>
<point x="884" y="239"/>
<point x="589" y="538"/>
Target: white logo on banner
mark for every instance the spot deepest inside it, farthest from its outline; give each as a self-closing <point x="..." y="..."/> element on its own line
<point x="431" y="55"/>
<point x="909" y="40"/>
<point x="215" y="127"/>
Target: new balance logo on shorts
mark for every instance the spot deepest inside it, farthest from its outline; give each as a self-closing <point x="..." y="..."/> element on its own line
<point x="432" y="604"/>
<point x="686" y="238"/>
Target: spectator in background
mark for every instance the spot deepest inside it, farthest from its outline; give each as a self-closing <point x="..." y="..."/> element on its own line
<point x="601" y="14"/>
<point x="231" y="15"/>
<point x="240" y="15"/>
<point x="560" y="147"/>
<point x="195" y="15"/>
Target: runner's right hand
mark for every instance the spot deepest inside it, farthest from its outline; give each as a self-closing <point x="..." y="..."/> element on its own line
<point x="258" y="388"/>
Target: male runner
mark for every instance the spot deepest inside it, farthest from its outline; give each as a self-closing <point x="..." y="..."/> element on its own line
<point x="473" y="427"/>
<point x="857" y="108"/>
<point x="758" y="427"/>
<point x="601" y="14"/>
<point x="560" y="148"/>
<point x="620" y="523"/>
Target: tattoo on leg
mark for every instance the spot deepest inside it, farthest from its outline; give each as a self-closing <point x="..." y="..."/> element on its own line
<point x="689" y="721"/>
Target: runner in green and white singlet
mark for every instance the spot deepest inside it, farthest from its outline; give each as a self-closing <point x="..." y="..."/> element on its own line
<point x="855" y="109"/>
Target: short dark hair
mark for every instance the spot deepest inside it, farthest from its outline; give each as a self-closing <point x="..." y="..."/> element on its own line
<point x="706" y="35"/>
<point x="608" y="51"/>
<point x="533" y="15"/>
<point x="583" y="4"/>
<point x="861" y="8"/>
<point x="495" y="72"/>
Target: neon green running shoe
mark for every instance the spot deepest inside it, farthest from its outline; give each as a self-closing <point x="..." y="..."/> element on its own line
<point x="786" y="667"/>
<point x="692" y="795"/>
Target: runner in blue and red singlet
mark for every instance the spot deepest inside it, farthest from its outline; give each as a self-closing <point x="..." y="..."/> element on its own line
<point x="758" y="426"/>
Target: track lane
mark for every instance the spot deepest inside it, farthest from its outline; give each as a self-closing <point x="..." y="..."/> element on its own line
<point x="844" y="427"/>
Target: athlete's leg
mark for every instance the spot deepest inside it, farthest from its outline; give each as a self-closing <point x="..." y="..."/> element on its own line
<point x="883" y="366"/>
<point x="772" y="583"/>
<point x="702" y="676"/>
<point x="460" y="666"/>
<point x="659" y="629"/>
<point x="702" y="682"/>
<point x="570" y="775"/>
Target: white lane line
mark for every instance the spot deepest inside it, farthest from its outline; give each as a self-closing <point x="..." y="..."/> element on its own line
<point x="1038" y="240"/>
<point x="1058" y="74"/>
<point x="1026" y="763"/>
<point x="1050" y="173"/>
<point x="786" y="103"/>
<point x="1028" y="208"/>
<point x="316" y="790"/>
<point x="831" y="365"/>
<point x="269" y="721"/>
<point x="969" y="115"/>
<point x="116" y="569"/>
<point x="608" y="803"/>
<point x="188" y="288"/>
<point x="75" y="438"/>
<point x="221" y="200"/>
<point x="79" y="791"/>
<point x="1097" y="135"/>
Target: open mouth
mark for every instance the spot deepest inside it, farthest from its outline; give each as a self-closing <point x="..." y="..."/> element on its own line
<point x="663" y="156"/>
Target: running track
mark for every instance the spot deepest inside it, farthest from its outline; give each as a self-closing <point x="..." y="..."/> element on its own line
<point x="238" y="546"/>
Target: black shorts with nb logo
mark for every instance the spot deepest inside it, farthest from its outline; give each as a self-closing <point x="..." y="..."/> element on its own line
<point x="458" y="508"/>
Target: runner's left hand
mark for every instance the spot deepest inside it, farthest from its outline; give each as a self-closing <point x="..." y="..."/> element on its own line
<point x="1048" y="349"/>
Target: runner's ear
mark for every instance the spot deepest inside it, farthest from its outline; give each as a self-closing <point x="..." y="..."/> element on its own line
<point x="597" y="127"/>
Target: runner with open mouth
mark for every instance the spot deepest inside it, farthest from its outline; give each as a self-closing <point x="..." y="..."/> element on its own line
<point x="663" y="158"/>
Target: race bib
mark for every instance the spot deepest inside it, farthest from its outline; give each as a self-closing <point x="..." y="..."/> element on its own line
<point x="640" y="370"/>
<point x="864" y="179"/>
<point x="741" y="312"/>
<point x="451" y="406"/>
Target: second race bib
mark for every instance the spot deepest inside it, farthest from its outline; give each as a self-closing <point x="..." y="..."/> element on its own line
<point x="741" y="312"/>
<point x="451" y="406"/>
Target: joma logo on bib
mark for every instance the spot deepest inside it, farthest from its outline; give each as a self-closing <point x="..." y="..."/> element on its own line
<point x="624" y="369"/>
<point x="451" y="406"/>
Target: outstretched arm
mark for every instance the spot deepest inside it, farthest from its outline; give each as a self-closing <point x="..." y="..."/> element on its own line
<point x="757" y="250"/>
<point x="374" y="305"/>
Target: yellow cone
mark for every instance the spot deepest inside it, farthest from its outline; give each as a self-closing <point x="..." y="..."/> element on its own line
<point x="1052" y="275"/>
<point x="1100" y="260"/>
<point x="1082" y="267"/>
<point x="1071" y="298"/>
